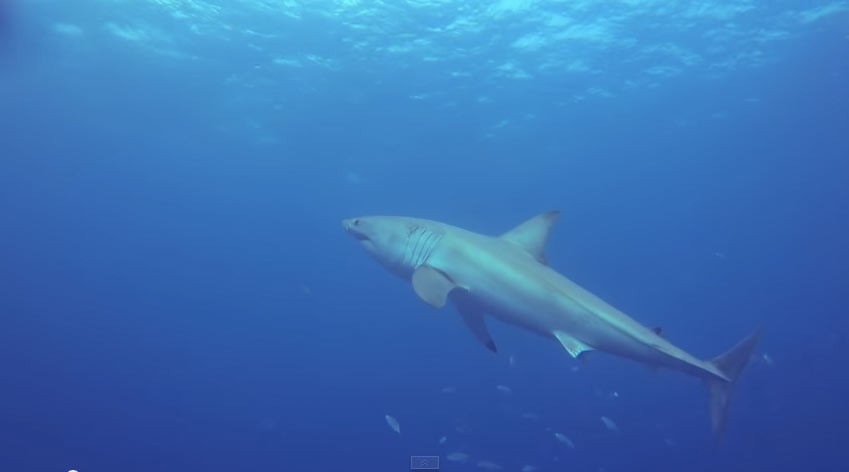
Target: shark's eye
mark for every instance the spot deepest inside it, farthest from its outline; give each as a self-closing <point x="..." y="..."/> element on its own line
<point x="356" y="222"/>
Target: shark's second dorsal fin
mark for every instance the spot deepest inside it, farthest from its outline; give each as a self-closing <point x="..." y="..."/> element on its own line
<point x="532" y="235"/>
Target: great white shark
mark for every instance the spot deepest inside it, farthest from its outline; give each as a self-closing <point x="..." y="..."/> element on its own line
<point x="508" y="278"/>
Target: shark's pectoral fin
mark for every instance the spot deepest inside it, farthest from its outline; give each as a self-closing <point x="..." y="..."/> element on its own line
<point x="532" y="235"/>
<point x="432" y="286"/>
<point x="572" y="345"/>
<point x="474" y="319"/>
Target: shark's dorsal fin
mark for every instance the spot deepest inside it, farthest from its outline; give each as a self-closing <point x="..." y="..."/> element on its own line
<point x="571" y="344"/>
<point x="432" y="286"/>
<point x="533" y="234"/>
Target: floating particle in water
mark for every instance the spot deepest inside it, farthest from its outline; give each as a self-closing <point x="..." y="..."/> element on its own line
<point x="768" y="360"/>
<point x="460" y="457"/>
<point x="609" y="423"/>
<point x="489" y="465"/>
<point x="393" y="423"/>
<point x="565" y="440"/>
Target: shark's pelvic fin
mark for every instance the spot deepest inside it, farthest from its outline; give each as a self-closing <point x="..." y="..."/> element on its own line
<point x="432" y="286"/>
<point x="532" y="235"/>
<point x="571" y="344"/>
<point x="474" y="319"/>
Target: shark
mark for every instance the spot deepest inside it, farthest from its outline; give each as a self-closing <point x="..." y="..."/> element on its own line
<point x="508" y="277"/>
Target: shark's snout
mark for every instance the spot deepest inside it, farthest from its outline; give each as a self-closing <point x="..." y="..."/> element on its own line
<point x="351" y="225"/>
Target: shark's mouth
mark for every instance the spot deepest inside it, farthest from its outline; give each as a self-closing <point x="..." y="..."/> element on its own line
<point x="350" y="227"/>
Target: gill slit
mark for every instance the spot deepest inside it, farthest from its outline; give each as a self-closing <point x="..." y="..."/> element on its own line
<point x="433" y="240"/>
<point x="410" y="253"/>
<point x="421" y="257"/>
<point x="421" y="244"/>
<point x="406" y="251"/>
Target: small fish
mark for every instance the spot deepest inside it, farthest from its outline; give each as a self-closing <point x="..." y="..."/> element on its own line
<point x="460" y="457"/>
<point x="512" y="360"/>
<point x="768" y="359"/>
<point x="530" y="416"/>
<point x="393" y="423"/>
<point x="529" y="468"/>
<point x="504" y="389"/>
<point x="565" y="440"/>
<point x="609" y="424"/>
<point x="448" y="390"/>
<point x="488" y="465"/>
<point x="443" y="439"/>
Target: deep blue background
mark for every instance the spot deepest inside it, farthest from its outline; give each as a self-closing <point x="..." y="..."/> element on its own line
<point x="177" y="294"/>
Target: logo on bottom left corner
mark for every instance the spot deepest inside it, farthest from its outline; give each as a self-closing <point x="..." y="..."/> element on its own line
<point x="424" y="463"/>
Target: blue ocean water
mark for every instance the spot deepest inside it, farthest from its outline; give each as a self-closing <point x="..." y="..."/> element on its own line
<point x="177" y="292"/>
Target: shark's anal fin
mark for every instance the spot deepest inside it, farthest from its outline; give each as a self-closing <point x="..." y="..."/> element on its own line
<point x="432" y="286"/>
<point x="474" y="319"/>
<point x="572" y="345"/>
<point x="532" y="235"/>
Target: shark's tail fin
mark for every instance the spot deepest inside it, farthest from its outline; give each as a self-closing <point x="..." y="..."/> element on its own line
<point x="731" y="365"/>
